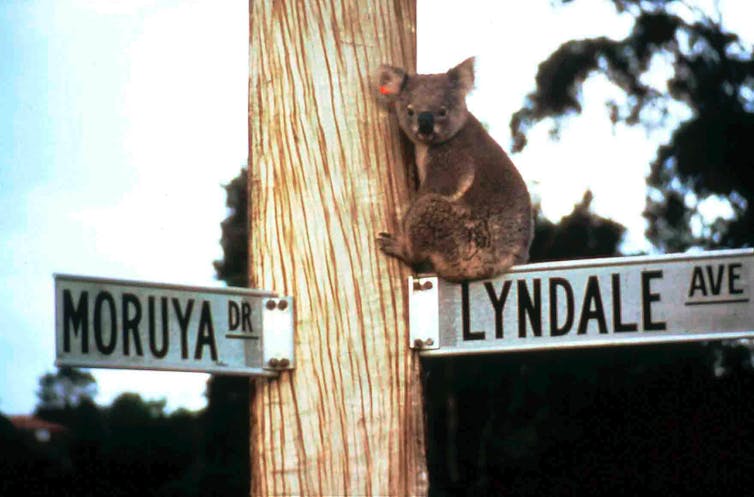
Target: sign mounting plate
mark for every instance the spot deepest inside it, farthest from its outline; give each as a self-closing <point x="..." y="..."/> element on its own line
<point x="108" y="323"/>
<point x="627" y="300"/>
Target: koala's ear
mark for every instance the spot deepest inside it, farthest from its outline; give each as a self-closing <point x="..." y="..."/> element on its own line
<point x="389" y="81"/>
<point x="462" y="75"/>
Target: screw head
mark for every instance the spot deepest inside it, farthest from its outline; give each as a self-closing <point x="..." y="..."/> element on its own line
<point x="418" y="343"/>
<point x="282" y="305"/>
<point x="274" y="362"/>
<point x="284" y="363"/>
<point x="417" y="285"/>
<point x="427" y="285"/>
<point x="429" y="342"/>
<point x="271" y="304"/>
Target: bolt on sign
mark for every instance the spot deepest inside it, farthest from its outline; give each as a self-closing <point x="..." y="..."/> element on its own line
<point x="628" y="300"/>
<point x="109" y="323"/>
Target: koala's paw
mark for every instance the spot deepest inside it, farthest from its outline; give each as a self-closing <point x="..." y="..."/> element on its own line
<point x="390" y="245"/>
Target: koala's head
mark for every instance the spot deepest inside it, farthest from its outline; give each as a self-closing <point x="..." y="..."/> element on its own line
<point x="431" y="108"/>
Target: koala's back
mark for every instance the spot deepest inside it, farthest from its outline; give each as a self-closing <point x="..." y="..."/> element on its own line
<point x="472" y="215"/>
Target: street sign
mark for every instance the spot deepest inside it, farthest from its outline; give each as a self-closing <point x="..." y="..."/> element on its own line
<point x="107" y="323"/>
<point x="628" y="300"/>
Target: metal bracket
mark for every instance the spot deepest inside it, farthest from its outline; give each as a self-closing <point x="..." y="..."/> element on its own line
<point x="423" y="313"/>
<point x="277" y="330"/>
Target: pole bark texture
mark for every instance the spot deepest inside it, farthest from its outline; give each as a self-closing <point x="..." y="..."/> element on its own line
<point x="327" y="172"/>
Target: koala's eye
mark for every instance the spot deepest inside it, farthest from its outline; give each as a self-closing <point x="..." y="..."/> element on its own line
<point x="410" y="111"/>
<point x="442" y="112"/>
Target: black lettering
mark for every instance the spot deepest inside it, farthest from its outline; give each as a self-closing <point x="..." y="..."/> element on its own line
<point x="75" y="317"/>
<point x="716" y="284"/>
<point x="618" y="323"/>
<point x="733" y="275"/>
<point x="697" y="282"/>
<point x="161" y="351"/>
<point x="592" y="307"/>
<point x="105" y="297"/>
<point x="234" y="315"/>
<point x="165" y="317"/>
<point x="527" y="307"/>
<point x="131" y="323"/>
<point x="465" y="318"/>
<point x="206" y="334"/>
<point x="498" y="304"/>
<point x="563" y="283"/>
<point x="246" y="317"/>
<point x="183" y="322"/>
<point x="647" y="297"/>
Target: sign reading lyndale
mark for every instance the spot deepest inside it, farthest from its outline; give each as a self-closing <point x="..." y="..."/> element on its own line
<point x="124" y="324"/>
<point x="703" y="296"/>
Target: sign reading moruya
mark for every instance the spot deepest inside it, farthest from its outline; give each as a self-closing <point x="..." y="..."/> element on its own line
<point x="124" y="324"/>
<point x="705" y="296"/>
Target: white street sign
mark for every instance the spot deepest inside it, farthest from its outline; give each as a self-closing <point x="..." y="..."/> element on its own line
<point x="628" y="300"/>
<point x="108" y="323"/>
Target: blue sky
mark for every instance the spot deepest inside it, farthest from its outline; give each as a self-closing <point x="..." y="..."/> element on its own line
<point x="118" y="126"/>
<point x="120" y="121"/>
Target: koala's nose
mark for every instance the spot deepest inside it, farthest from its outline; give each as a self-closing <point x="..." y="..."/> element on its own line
<point x="426" y="123"/>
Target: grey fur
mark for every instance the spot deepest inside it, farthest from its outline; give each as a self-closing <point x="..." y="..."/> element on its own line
<point x="471" y="218"/>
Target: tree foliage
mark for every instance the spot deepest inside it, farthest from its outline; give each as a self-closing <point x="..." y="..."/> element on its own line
<point x="233" y="267"/>
<point x="602" y="421"/>
<point x="710" y="155"/>
<point x="579" y="235"/>
<point x="132" y="447"/>
<point x="66" y="388"/>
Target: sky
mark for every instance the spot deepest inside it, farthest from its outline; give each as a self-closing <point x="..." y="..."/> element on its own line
<point x="121" y="121"/>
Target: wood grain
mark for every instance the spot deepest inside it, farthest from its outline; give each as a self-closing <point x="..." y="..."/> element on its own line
<point x="327" y="172"/>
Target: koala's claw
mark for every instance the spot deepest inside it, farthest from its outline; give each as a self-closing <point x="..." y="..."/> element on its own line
<point x="389" y="244"/>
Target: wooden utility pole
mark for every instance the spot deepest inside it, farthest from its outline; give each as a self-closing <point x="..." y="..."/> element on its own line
<point x="327" y="172"/>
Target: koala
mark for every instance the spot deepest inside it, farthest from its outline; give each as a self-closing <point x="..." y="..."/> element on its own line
<point x="471" y="217"/>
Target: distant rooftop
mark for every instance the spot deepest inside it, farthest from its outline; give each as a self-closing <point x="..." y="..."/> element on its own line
<point x="30" y="422"/>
